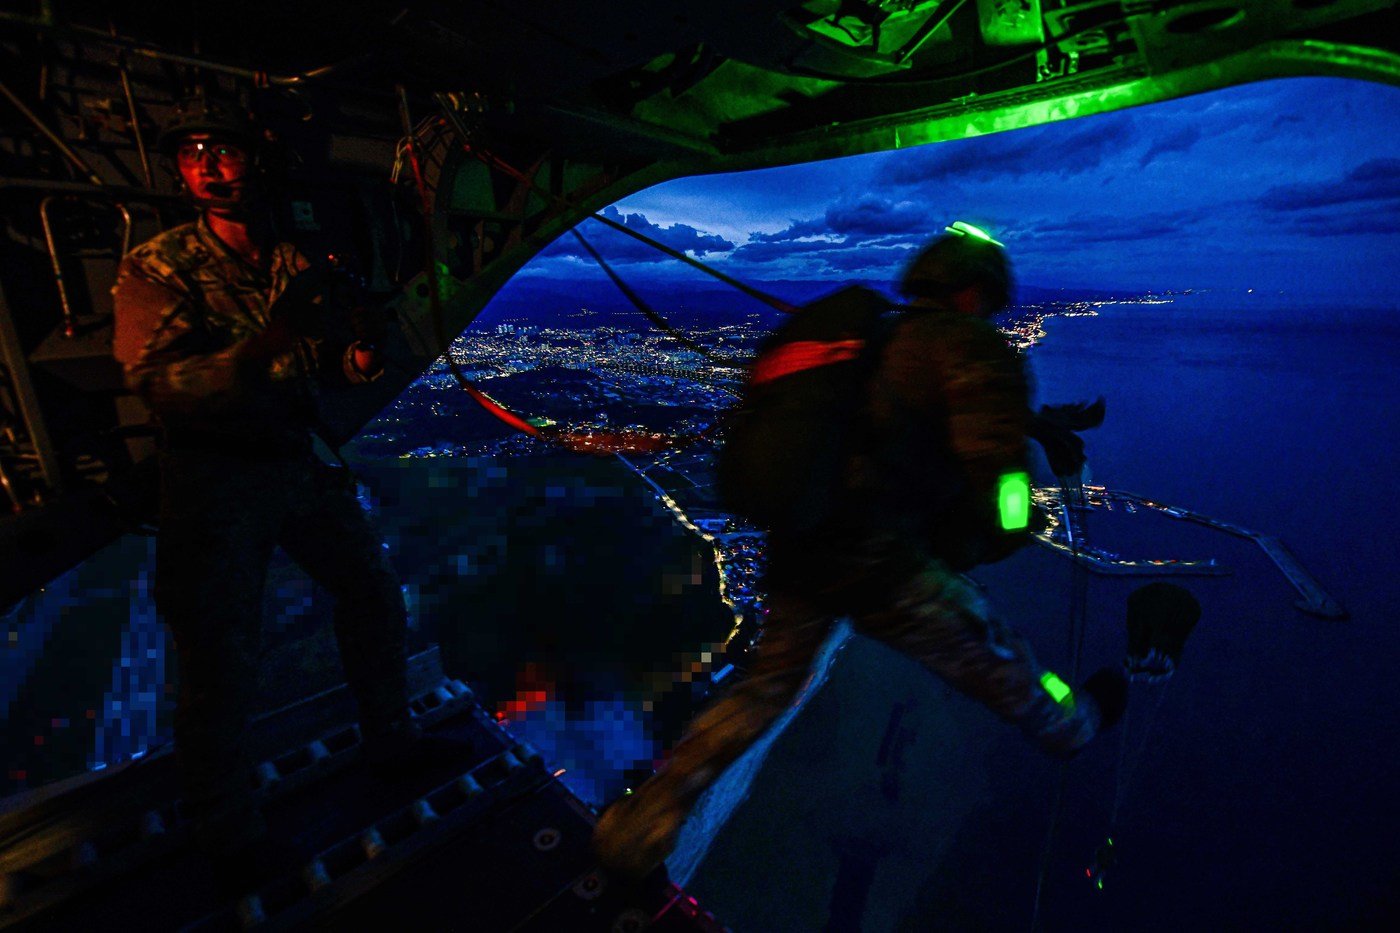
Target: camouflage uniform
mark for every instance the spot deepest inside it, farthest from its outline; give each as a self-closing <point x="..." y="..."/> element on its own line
<point x="238" y="477"/>
<point x="946" y="418"/>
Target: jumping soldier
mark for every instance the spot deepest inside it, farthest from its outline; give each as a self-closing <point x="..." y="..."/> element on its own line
<point x="943" y="427"/>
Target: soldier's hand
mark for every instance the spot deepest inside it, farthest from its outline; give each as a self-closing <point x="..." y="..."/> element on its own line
<point x="299" y="307"/>
<point x="370" y="324"/>
<point x="1076" y="416"/>
<point x="1064" y="451"/>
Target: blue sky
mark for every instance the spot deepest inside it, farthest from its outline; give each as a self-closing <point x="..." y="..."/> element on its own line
<point x="1286" y="186"/>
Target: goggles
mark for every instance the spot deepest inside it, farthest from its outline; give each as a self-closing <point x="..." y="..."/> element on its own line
<point x="194" y="152"/>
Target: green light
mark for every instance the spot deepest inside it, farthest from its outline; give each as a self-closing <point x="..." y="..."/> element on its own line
<point x="966" y="229"/>
<point x="1054" y="686"/>
<point x="1014" y="501"/>
<point x="1100" y="884"/>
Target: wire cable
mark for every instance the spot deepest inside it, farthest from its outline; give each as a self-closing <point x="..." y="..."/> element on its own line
<point x="1078" y="623"/>
<point x="491" y="160"/>
<point x="640" y="304"/>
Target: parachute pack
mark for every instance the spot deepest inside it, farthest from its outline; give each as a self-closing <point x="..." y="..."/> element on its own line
<point x="786" y="444"/>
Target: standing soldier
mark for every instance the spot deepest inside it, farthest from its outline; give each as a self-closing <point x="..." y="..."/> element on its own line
<point x="218" y="329"/>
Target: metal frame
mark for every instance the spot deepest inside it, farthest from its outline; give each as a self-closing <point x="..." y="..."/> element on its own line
<point x="65" y="306"/>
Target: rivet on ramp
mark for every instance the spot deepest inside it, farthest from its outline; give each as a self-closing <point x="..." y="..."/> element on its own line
<point x="316" y="875"/>
<point x="372" y="843"/>
<point x="250" y="912"/>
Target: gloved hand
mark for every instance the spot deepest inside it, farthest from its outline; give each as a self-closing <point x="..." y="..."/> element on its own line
<point x="1108" y="686"/>
<point x="297" y="308"/>
<point x="1064" y="450"/>
<point x="1054" y="427"/>
<point x="1075" y="416"/>
<point x="370" y="325"/>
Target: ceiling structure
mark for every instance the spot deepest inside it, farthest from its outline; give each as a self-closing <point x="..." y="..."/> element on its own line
<point x="526" y="116"/>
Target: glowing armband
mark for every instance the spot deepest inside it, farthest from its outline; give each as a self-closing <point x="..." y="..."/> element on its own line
<point x="1014" y="501"/>
<point x="1054" y="686"/>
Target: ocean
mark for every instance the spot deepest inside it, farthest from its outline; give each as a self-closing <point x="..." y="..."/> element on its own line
<point x="1255" y="791"/>
<point x="1262" y="796"/>
<point x="1266" y="800"/>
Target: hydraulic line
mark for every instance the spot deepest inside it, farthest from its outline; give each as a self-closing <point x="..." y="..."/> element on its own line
<point x="434" y="293"/>
<point x="490" y="405"/>
<point x="131" y="111"/>
<point x="572" y="442"/>
<point x="62" y="146"/>
<point x="490" y="160"/>
<point x="1078" y="622"/>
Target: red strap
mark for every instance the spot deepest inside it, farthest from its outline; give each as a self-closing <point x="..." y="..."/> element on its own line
<point x="800" y="355"/>
<point x="492" y="406"/>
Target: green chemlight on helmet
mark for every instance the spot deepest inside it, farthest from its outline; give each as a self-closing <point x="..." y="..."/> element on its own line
<point x="1014" y="501"/>
<point x="960" y="228"/>
<point x="1054" y="686"/>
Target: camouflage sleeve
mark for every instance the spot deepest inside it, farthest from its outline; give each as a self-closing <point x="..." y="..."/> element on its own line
<point x="168" y="359"/>
<point x="960" y="377"/>
<point x="986" y="394"/>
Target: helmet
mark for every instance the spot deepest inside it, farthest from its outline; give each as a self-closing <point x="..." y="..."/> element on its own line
<point x="202" y="115"/>
<point x="961" y="257"/>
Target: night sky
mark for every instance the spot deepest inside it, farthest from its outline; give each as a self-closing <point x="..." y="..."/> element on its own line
<point x="1289" y="187"/>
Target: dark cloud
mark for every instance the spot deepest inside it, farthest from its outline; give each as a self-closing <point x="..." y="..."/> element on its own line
<point x="1273" y="130"/>
<point x="1057" y="149"/>
<point x="876" y="260"/>
<point x="879" y="256"/>
<point x="1375" y="182"/>
<point x="1106" y="228"/>
<point x="872" y="215"/>
<point x="793" y="231"/>
<point x="764" y="252"/>
<point x="867" y="216"/>
<point x="1180" y="141"/>
<point x="618" y="247"/>
<point x="1350" y="220"/>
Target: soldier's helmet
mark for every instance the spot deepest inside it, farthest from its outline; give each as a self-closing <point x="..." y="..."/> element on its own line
<point x="963" y="256"/>
<point x="204" y="115"/>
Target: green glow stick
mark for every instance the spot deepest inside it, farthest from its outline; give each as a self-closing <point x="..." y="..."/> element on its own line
<point x="966" y="229"/>
<point x="1054" y="686"/>
<point x="1014" y="501"/>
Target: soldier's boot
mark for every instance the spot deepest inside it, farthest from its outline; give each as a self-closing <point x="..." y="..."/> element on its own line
<point x="637" y="832"/>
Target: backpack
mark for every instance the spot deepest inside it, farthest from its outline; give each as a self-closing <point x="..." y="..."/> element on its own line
<point x="786" y="445"/>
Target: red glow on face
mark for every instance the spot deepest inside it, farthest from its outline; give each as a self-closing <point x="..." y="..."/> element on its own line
<point x="204" y="161"/>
